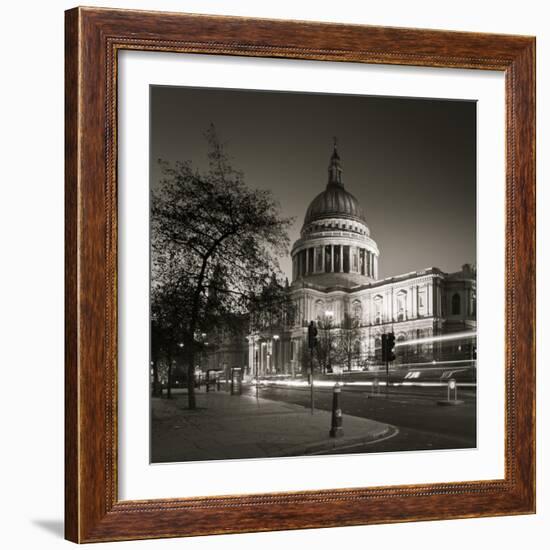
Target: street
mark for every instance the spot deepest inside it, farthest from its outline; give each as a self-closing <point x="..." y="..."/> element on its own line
<point x="422" y="423"/>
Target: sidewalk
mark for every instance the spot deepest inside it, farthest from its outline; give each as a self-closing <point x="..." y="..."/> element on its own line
<point x="230" y="427"/>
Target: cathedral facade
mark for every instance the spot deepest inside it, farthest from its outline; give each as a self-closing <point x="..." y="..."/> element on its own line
<point x="335" y="276"/>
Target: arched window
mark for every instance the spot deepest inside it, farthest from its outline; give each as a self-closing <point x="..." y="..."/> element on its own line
<point x="401" y="305"/>
<point x="378" y="310"/>
<point x="319" y="309"/>
<point x="421" y="298"/>
<point x="455" y="304"/>
<point x="358" y="311"/>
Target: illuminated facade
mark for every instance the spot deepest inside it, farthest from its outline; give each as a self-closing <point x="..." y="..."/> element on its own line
<point x="335" y="272"/>
<point x="335" y="265"/>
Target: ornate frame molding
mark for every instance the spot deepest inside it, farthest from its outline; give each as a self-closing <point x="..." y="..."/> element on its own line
<point x="93" y="39"/>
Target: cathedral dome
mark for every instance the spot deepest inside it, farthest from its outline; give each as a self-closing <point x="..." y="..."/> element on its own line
<point x="335" y="248"/>
<point x="335" y="201"/>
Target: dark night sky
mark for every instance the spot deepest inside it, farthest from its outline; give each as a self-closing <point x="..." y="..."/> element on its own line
<point x="410" y="162"/>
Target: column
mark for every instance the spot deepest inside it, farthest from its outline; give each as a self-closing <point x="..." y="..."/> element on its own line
<point x="367" y="263"/>
<point x="371" y="264"/>
<point x="332" y="258"/>
<point x="315" y="259"/>
<point x="307" y="261"/>
<point x="322" y="258"/>
<point x="251" y="365"/>
<point x="261" y="357"/>
<point x="341" y="258"/>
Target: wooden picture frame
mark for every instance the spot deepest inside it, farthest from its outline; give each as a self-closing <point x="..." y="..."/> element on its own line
<point x="93" y="511"/>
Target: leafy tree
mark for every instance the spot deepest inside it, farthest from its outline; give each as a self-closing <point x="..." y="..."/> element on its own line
<point x="271" y="308"/>
<point x="215" y="243"/>
<point x="167" y="321"/>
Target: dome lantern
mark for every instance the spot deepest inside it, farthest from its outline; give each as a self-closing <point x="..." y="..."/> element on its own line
<point x="335" y="167"/>
<point x="335" y="201"/>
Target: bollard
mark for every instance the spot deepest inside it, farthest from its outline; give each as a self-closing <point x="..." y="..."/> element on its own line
<point x="336" y="429"/>
<point x="451" y="387"/>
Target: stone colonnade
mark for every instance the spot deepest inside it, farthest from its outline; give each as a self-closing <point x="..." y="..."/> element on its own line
<point x="334" y="258"/>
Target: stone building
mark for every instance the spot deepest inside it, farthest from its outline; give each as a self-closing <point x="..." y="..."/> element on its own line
<point x="335" y="266"/>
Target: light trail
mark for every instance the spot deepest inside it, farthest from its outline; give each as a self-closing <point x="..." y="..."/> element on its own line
<point x="329" y="384"/>
<point x="431" y="365"/>
<point x="443" y="338"/>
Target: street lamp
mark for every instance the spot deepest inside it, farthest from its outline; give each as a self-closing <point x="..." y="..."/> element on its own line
<point x="329" y="315"/>
<point x="275" y="338"/>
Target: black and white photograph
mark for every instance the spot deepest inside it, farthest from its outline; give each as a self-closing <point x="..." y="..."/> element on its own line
<point x="255" y="253"/>
<point x="312" y="274"/>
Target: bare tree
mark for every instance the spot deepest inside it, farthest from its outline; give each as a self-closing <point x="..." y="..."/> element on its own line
<point x="215" y="243"/>
<point x="349" y="341"/>
<point x="325" y="350"/>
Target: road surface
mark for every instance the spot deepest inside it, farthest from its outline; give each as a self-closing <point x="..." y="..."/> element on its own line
<point x="422" y="423"/>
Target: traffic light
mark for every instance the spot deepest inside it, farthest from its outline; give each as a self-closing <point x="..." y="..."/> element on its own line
<point x="311" y="335"/>
<point x="388" y="344"/>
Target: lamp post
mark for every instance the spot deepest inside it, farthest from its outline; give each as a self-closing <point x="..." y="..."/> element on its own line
<point x="256" y="366"/>
<point x="329" y="315"/>
<point x="273" y="354"/>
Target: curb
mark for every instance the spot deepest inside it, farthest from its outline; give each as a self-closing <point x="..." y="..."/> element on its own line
<point x="334" y="444"/>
